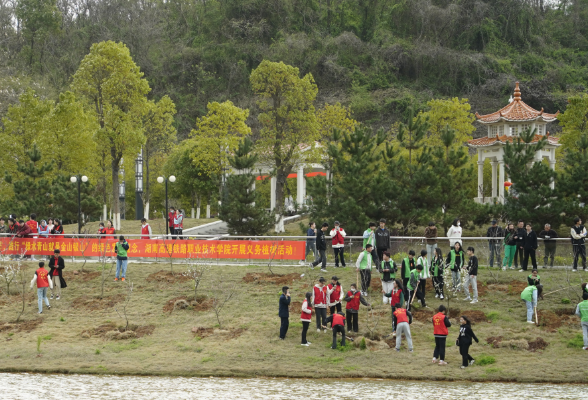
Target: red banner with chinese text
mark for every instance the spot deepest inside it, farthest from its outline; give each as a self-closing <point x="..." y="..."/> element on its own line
<point x="247" y="249"/>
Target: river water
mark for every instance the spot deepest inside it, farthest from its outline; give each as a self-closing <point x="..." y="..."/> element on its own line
<point x="64" y="387"/>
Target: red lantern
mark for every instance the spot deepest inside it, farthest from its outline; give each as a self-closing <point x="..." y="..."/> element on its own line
<point x="507" y="184"/>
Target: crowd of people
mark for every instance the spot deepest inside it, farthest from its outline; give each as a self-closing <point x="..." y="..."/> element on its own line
<point x="402" y="286"/>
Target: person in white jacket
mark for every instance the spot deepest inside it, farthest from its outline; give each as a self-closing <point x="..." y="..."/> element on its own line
<point x="338" y="237"/>
<point x="454" y="233"/>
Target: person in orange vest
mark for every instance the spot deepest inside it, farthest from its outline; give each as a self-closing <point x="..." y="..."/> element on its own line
<point x="353" y="299"/>
<point x="43" y="282"/>
<point x="440" y="324"/>
<point x="396" y="297"/>
<point x="338" y="235"/>
<point x="145" y="229"/>
<point x="334" y="295"/>
<point x="338" y="324"/>
<point x="319" y="300"/>
<point x="306" y="317"/>
<point x="170" y="219"/>
<point x="403" y="321"/>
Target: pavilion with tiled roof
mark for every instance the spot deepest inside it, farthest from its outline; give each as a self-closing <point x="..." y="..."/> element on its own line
<point x="504" y="126"/>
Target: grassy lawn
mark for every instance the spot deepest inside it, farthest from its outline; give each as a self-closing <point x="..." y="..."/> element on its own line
<point x="134" y="227"/>
<point x="73" y="336"/>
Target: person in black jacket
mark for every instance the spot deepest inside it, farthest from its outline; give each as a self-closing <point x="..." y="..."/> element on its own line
<point x="548" y="234"/>
<point x="56" y="265"/>
<point x="520" y="238"/>
<point x="464" y="341"/>
<point x="321" y="248"/>
<point x="471" y="276"/>
<point x="534" y="279"/>
<point x="382" y="239"/>
<point x="284" y="312"/>
<point x="529" y="246"/>
<point x="494" y="243"/>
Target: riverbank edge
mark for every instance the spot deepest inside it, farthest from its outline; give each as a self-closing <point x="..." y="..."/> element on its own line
<point x="283" y="376"/>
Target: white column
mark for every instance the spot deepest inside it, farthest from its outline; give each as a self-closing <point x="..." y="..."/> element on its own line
<point x="501" y="180"/>
<point x="273" y="193"/>
<point x="253" y="190"/>
<point x="300" y="186"/>
<point x="494" y="177"/>
<point x="480" y="175"/>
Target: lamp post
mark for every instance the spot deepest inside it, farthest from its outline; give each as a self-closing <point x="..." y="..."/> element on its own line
<point x="171" y="179"/>
<point x="79" y="180"/>
<point x="139" y="187"/>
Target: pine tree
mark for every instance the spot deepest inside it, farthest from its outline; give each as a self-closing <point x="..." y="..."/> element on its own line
<point x="65" y="200"/>
<point x="31" y="190"/>
<point x="530" y="197"/>
<point x="572" y="184"/>
<point x="242" y="211"/>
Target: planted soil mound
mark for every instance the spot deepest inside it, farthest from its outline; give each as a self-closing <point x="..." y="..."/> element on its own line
<point x="276" y="279"/>
<point x="225" y="334"/>
<point x="168" y="277"/>
<point x="494" y="341"/>
<point x="538" y="344"/>
<point x="202" y="303"/>
<point x="454" y="313"/>
<point x="516" y="287"/>
<point x="80" y="276"/>
<point x="20" y="326"/>
<point x="422" y="314"/>
<point x="498" y="287"/>
<point x="295" y="306"/>
<point x="565" y="311"/>
<point x="95" y="303"/>
<point x="549" y="319"/>
<point x="112" y="332"/>
<point x="475" y="316"/>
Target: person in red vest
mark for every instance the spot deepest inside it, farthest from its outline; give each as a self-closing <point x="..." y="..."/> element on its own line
<point x="319" y="300"/>
<point x="170" y="220"/>
<point x="43" y="282"/>
<point x="338" y="239"/>
<point x="33" y="224"/>
<point x="145" y="229"/>
<point x="396" y="297"/>
<point x="353" y="299"/>
<point x="305" y="317"/>
<point x="440" y="324"/>
<point x="403" y="321"/>
<point x="56" y="266"/>
<point x="334" y="295"/>
<point x="101" y="229"/>
<point x="109" y="229"/>
<point x="338" y="324"/>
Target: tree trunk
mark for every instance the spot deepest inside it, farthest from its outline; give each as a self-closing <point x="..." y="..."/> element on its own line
<point x="208" y="208"/>
<point x="105" y="211"/>
<point x="115" y="203"/>
<point x="146" y="212"/>
<point x="198" y="200"/>
<point x="281" y="177"/>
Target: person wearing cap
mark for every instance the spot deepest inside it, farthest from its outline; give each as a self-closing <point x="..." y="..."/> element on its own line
<point x="121" y="248"/>
<point x="338" y="240"/>
<point x="382" y="239"/>
<point x="56" y="266"/>
<point x="319" y="300"/>
<point x="494" y="243"/>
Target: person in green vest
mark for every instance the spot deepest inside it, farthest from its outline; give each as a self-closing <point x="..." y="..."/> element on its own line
<point x="414" y="289"/>
<point x="582" y="312"/>
<point x="534" y="279"/>
<point x="408" y="264"/>
<point x="369" y="237"/>
<point x="455" y="260"/>
<point x="121" y="248"/>
<point x="529" y="295"/>
<point x="364" y="266"/>
<point x="425" y="274"/>
<point x="387" y="275"/>
<point x="510" y="246"/>
<point x="437" y="268"/>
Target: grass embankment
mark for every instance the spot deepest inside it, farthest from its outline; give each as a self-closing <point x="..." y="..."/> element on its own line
<point x="129" y="227"/>
<point x="76" y="335"/>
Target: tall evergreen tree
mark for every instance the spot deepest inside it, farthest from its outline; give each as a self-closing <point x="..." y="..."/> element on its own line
<point x="572" y="184"/>
<point x="32" y="190"/>
<point x="242" y="211"/>
<point x="65" y="201"/>
<point x="531" y="197"/>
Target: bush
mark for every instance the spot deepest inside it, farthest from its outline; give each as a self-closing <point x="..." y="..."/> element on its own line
<point x="565" y="301"/>
<point x="362" y="345"/>
<point x="485" y="360"/>
<point x="577" y="342"/>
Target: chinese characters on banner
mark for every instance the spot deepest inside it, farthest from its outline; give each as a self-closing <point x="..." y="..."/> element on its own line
<point x="247" y="249"/>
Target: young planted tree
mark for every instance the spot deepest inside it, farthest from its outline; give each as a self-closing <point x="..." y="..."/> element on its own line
<point x="115" y="90"/>
<point x="289" y="128"/>
<point x="242" y="210"/>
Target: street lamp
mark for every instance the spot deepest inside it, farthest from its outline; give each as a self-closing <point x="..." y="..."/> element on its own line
<point x="171" y="179"/>
<point x="75" y="179"/>
<point x="139" y="186"/>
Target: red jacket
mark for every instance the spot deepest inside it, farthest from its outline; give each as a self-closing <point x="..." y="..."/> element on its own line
<point x="439" y="327"/>
<point x="109" y="231"/>
<point x="338" y="238"/>
<point x="304" y="316"/>
<point x="338" y="320"/>
<point x="24" y="231"/>
<point x="400" y="315"/>
<point x="170" y="217"/>
<point x="335" y="296"/>
<point x="34" y="225"/>
<point x="42" y="278"/>
<point x="145" y="232"/>
<point x="320" y="296"/>
<point x="353" y="304"/>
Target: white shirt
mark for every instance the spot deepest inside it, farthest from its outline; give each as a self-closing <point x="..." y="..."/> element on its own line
<point x="454" y="232"/>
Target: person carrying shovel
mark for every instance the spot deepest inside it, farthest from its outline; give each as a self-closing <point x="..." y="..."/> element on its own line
<point x="413" y="287"/>
<point x="337" y="321"/>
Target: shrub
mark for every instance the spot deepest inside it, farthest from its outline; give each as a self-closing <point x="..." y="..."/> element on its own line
<point x="577" y="342"/>
<point x="97" y="352"/>
<point x="493" y="316"/>
<point x="485" y="360"/>
<point x="362" y="345"/>
<point x="565" y="301"/>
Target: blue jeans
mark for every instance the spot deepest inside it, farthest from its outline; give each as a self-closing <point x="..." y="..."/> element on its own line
<point x="529" y="311"/>
<point x="121" y="268"/>
<point x="42" y="294"/>
<point x="310" y="248"/>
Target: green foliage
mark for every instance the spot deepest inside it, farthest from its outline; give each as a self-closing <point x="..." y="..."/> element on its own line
<point x="65" y="200"/>
<point x="348" y="346"/>
<point x="362" y="345"/>
<point x="493" y="316"/>
<point x="241" y="209"/>
<point x="484" y="359"/>
<point x="97" y="352"/>
<point x="565" y="301"/>
<point x="38" y="19"/>
<point x="577" y="342"/>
